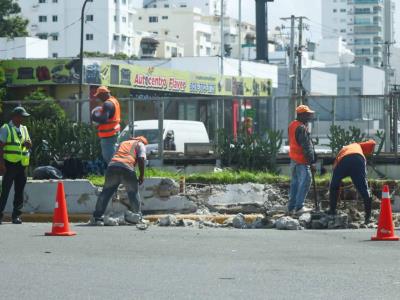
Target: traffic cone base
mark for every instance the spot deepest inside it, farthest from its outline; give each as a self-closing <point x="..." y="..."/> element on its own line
<point x="385" y="223"/>
<point x="60" y="218"/>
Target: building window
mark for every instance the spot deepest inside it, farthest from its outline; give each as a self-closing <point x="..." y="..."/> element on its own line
<point x="342" y="30"/>
<point x="166" y="5"/>
<point x="124" y="2"/>
<point x="208" y="51"/>
<point x="42" y="19"/>
<point x="55" y="1"/>
<point x="164" y="17"/>
<point x="89" y="18"/>
<point x="166" y="32"/>
<point x="116" y="37"/>
<point x="115" y="18"/>
<point x="55" y="37"/>
<point x="55" y="55"/>
<point x="42" y="36"/>
<point x="123" y="19"/>
<point x="140" y="18"/>
<point x="343" y="10"/>
<point x="42" y="1"/>
<point x="124" y="38"/>
<point x="334" y="10"/>
<point x="55" y="18"/>
<point x="183" y="5"/>
<point x="153" y="19"/>
<point x="155" y="32"/>
<point x="89" y="36"/>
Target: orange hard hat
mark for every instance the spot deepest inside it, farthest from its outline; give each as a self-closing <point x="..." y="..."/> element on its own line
<point x="301" y="109"/>
<point x="100" y="90"/>
<point x="368" y="147"/>
<point x="142" y="139"/>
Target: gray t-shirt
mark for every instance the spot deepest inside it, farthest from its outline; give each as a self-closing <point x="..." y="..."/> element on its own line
<point x="4" y="132"/>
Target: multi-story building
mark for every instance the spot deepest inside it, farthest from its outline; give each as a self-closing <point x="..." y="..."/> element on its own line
<point x="366" y="26"/>
<point x="108" y="25"/>
<point x="202" y="35"/>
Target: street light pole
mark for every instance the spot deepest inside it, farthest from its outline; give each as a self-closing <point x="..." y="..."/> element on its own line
<point x="79" y="107"/>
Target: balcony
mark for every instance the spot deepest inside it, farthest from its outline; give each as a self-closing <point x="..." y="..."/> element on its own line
<point x="367" y="29"/>
<point x="365" y="2"/>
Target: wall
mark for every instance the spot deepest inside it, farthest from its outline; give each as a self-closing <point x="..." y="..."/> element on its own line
<point x="24" y="47"/>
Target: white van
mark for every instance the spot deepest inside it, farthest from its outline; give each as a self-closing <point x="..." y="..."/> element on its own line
<point x="184" y="132"/>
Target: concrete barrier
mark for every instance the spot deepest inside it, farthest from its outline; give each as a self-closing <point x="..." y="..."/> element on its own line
<point x="157" y="195"/>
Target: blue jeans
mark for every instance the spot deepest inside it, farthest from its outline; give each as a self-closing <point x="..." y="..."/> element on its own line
<point x="114" y="177"/>
<point x="108" y="147"/>
<point x="299" y="186"/>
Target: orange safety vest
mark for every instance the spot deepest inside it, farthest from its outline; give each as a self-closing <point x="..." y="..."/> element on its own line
<point x="126" y="154"/>
<point x="354" y="148"/>
<point x="295" y="150"/>
<point x="112" y="127"/>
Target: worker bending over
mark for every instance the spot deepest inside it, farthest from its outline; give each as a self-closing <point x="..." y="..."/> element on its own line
<point x="351" y="162"/>
<point x="121" y="170"/>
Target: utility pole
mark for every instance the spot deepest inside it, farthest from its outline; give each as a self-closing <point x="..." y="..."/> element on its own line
<point x="222" y="38"/>
<point x="300" y="91"/>
<point x="387" y="107"/>
<point x="240" y="38"/>
<point x="396" y="98"/>
<point x="79" y="106"/>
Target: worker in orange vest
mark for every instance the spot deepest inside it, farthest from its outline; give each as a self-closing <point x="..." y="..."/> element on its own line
<point x="351" y="162"/>
<point x="121" y="170"/>
<point x="302" y="159"/>
<point x="108" y="118"/>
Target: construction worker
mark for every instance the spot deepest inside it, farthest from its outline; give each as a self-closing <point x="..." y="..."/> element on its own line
<point x="302" y="159"/>
<point x="121" y="170"/>
<point x="351" y="162"/>
<point x="14" y="158"/>
<point x="108" y="119"/>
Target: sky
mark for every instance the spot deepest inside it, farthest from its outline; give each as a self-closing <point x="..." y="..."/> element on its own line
<point x="308" y="8"/>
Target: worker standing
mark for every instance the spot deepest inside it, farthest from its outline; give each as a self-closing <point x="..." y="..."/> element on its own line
<point x="302" y="159"/>
<point x="108" y="119"/>
<point x="15" y="143"/>
<point x="351" y="162"/>
<point x="121" y="170"/>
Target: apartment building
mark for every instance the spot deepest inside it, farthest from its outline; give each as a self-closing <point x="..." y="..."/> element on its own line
<point x="108" y="25"/>
<point x="366" y="25"/>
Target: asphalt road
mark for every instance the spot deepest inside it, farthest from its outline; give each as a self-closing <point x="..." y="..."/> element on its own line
<point x="188" y="263"/>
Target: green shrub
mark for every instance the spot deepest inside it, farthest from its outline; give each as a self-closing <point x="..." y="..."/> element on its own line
<point x="250" y="152"/>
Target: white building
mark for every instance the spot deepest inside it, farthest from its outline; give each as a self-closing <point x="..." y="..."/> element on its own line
<point x="364" y="24"/>
<point x="202" y="36"/>
<point x="334" y="52"/>
<point x="23" y="47"/>
<point x="108" y="25"/>
<point x="207" y="7"/>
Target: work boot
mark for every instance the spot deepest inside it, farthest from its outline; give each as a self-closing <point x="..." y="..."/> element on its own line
<point x="96" y="222"/>
<point x="303" y="210"/>
<point x="16" y="220"/>
<point x="368" y="208"/>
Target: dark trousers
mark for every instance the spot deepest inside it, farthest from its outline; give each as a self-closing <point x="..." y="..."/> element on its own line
<point x="15" y="174"/>
<point x="114" y="177"/>
<point x="352" y="166"/>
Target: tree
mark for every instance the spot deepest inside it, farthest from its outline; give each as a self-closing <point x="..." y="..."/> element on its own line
<point x="12" y="25"/>
<point x="48" y="109"/>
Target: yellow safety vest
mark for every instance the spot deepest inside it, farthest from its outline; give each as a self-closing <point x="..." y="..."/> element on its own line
<point x="14" y="151"/>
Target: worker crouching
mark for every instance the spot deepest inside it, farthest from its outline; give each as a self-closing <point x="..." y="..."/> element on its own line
<point x="302" y="159"/>
<point x="351" y="162"/>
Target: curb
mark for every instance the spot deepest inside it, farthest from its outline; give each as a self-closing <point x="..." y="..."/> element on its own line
<point x="79" y="218"/>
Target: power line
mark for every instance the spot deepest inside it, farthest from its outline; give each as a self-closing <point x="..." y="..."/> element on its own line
<point x="36" y="42"/>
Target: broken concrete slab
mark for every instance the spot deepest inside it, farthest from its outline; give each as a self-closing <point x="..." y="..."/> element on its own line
<point x="238" y="221"/>
<point x="287" y="223"/>
<point x="169" y="220"/>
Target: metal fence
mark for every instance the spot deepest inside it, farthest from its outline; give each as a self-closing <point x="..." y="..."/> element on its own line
<point x="230" y="113"/>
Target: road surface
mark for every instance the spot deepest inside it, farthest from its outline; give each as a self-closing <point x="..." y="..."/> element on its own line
<point x="191" y="263"/>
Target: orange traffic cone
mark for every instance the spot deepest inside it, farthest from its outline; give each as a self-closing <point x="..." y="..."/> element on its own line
<point x="385" y="223"/>
<point x="60" y="217"/>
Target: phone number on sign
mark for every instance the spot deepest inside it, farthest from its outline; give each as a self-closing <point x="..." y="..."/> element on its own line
<point x="202" y="88"/>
